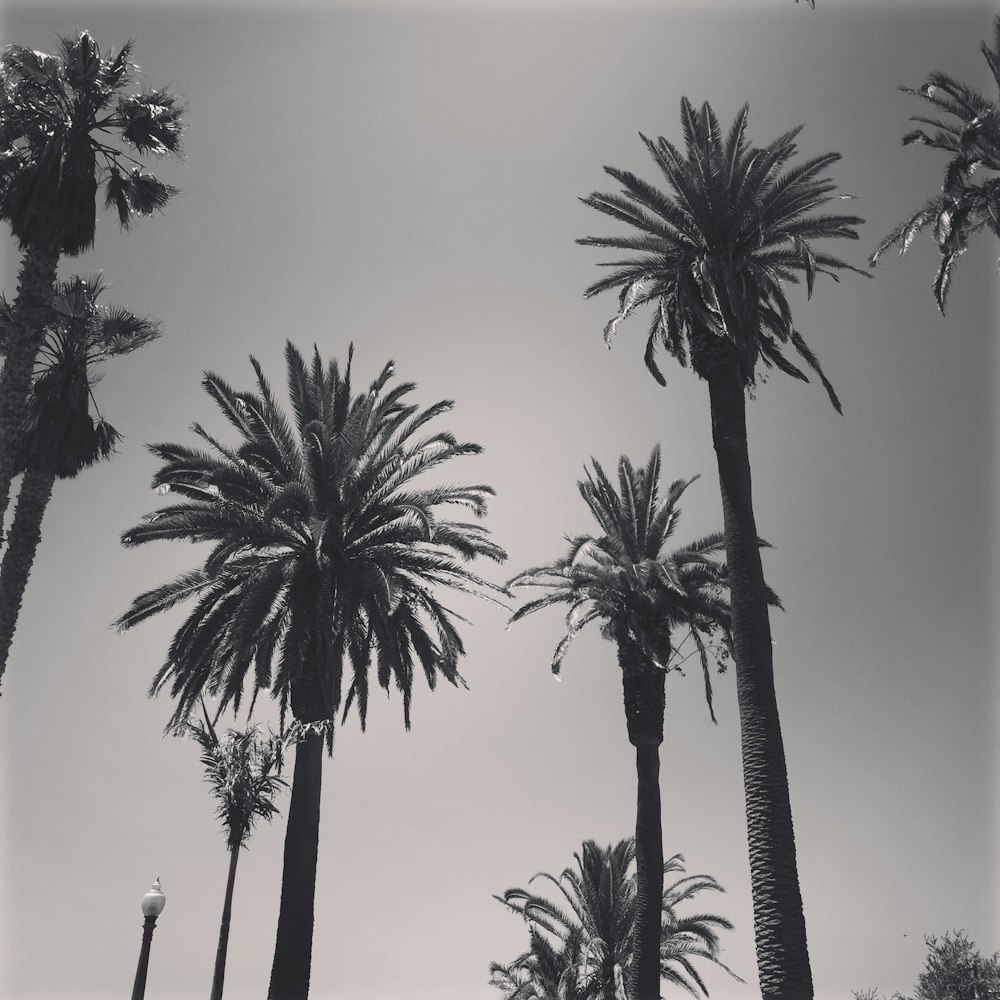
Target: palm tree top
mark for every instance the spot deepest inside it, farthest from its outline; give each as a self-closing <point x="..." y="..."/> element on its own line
<point x="242" y="770"/>
<point x="80" y="335"/>
<point x="580" y="943"/>
<point x="971" y="134"/>
<point x="66" y="127"/>
<point x="325" y="552"/>
<point x="714" y="250"/>
<point x="627" y="579"/>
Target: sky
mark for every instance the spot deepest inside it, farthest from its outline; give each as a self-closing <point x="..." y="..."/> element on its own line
<point x="406" y="177"/>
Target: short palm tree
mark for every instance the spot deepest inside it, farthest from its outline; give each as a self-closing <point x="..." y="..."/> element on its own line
<point x="62" y="434"/>
<point x="581" y="945"/>
<point x="326" y="555"/>
<point x="241" y="771"/>
<point x="641" y="593"/>
<point x="67" y="127"/>
<point x="711" y="255"/>
<point x="971" y="135"/>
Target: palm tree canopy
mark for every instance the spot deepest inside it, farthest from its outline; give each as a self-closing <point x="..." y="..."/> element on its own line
<point x="970" y="133"/>
<point x="324" y="550"/>
<point x="580" y="946"/>
<point x="240" y="769"/>
<point x="628" y="580"/>
<point x="713" y="251"/>
<point x="67" y="126"/>
<point x="61" y="434"/>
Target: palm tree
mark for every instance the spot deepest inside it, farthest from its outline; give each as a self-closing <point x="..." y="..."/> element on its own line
<point x="711" y="257"/>
<point x="67" y="126"/>
<point x="640" y="593"/>
<point x="972" y="137"/>
<point x="240" y="771"/>
<point x="61" y="436"/>
<point x="585" y="951"/>
<point x="325" y="556"/>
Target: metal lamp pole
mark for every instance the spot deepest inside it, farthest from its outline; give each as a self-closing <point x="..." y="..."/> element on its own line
<point x="152" y="907"/>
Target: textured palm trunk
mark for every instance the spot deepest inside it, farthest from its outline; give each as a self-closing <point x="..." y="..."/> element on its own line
<point x="779" y="924"/>
<point x="644" y="689"/>
<point x="219" y="976"/>
<point x="19" y="556"/>
<point x="34" y="291"/>
<point x="293" y="946"/>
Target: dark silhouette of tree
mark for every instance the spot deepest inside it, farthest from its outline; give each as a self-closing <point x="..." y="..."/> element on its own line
<point x="953" y="970"/>
<point x="970" y="133"/>
<point x="581" y="945"/>
<point x="626" y="579"/>
<point x="711" y="255"/>
<point x="326" y="560"/>
<point x="68" y="126"/>
<point x="64" y="432"/>
<point x="241" y="771"/>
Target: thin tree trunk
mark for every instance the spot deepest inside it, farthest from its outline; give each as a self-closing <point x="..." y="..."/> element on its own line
<point x="779" y="924"/>
<point x="293" y="946"/>
<point x="644" y="693"/>
<point x="227" y="912"/>
<point x="31" y="312"/>
<point x="645" y="970"/>
<point x="25" y="533"/>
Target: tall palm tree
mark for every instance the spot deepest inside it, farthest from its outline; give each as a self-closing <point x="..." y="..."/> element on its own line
<point x="711" y="255"/>
<point x="67" y="127"/>
<point x="325" y="556"/>
<point x="62" y="435"/>
<point x="581" y="945"/>
<point x="972" y="136"/>
<point x="641" y="593"/>
<point x="241" y="773"/>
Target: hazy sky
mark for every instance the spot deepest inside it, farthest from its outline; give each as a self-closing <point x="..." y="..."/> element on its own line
<point x="407" y="179"/>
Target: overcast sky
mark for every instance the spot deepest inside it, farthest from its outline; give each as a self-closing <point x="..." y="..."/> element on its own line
<point x="407" y="179"/>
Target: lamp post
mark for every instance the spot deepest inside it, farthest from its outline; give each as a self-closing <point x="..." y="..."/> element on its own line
<point x="152" y="907"/>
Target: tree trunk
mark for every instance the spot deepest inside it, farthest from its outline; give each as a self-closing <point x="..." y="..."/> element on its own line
<point x="227" y="911"/>
<point x="25" y="533"/>
<point x="293" y="947"/>
<point x="644" y="693"/>
<point x="779" y="925"/>
<point x="31" y="312"/>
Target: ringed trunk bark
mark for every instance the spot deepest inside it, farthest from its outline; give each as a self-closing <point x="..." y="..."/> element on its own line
<point x="25" y="533"/>
<point x="219" y="976"/>
<point x="779" y="924"/>
<point x="293" y="946"/>
<point x="31" y="313"/>
<point x="644" y="689"/>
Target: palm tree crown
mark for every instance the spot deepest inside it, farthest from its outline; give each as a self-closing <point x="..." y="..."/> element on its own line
<point x="61" y="435"/>
<point x="58" y="116"/>
<point x="324" y="550"/>
<point x="713" y="251"/>
<point x="626" y="579"/>
<point x="580" y="947"/>
<point x="971" y="134"/>
<point x="241" y="771"/>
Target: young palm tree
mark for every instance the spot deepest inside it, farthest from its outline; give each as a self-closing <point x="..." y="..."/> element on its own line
<point x="640" y="593"/>
<point x="585" y="951"/>
<point x="711" y="257"/>
<point x="61" y="437"/>
<point x="972" y="137"/>
<point x="67" y="126"/>
<point x="241" y="772"/>
<point x="325" y="556"/>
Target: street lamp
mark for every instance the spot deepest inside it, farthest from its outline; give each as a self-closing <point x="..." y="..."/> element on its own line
<point x="152" y="907"/>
